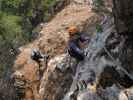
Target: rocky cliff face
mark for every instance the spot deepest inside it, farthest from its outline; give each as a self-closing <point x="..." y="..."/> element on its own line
<point x="52" y="41"/>
<point x="101" y="76"/>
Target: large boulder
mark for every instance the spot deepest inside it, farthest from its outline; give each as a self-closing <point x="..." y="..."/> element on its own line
<point x="58" y="77"/>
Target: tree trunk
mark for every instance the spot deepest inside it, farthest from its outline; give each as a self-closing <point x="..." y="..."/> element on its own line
<point x="123" y="17"/>
<point x="123" y="13"/>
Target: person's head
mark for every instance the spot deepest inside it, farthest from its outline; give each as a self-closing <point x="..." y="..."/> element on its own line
<point x="84" y="38"/>
<point x="72" y="30"/>
<point x="83" y="41"/>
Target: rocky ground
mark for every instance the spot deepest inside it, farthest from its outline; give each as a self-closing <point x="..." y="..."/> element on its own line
<point x="99" y="77"/>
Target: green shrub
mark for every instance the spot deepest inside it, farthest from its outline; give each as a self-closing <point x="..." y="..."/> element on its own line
<point x="98" y="3"/>
<point x="11" y="28"/>
<point x="16" y="23"/>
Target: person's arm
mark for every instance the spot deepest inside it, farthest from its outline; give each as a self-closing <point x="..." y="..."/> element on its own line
<point x="77" y="50"/>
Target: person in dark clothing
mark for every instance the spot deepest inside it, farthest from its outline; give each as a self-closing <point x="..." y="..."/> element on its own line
<point x="76" y="44"/>
<point x="74" y="50"/>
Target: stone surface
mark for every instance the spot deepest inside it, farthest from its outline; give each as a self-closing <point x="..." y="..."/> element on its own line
<point x="103" y="75"/>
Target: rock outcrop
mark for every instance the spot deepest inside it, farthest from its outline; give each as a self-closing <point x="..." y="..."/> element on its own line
<point x="103" y="74"/>
<point x="53" y="41"/>
<point x="102" y="70"/>
<point x="58" y="77"/>
<point x="7" y="91"/>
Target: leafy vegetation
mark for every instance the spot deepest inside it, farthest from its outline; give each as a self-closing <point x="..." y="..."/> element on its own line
<point x="98" y="3"/>
<point x="18" y="19"/>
